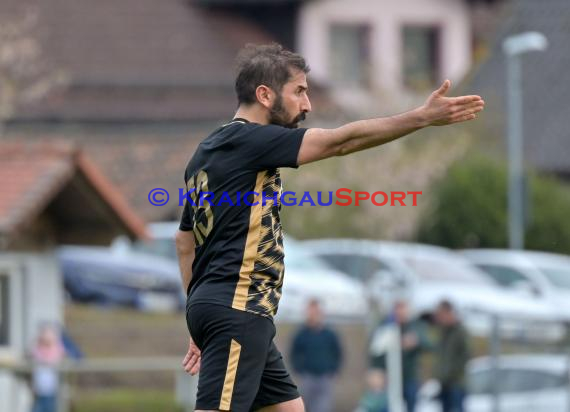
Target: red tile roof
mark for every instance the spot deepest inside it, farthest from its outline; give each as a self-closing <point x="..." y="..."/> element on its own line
<point x="33" y="173"/>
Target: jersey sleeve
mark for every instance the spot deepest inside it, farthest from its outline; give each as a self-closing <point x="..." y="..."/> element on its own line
<point x="270" y="146"/>
<point x="187" y="219"/>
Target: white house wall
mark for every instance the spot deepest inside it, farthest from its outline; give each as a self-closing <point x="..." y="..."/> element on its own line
<point x="386" y="18"/>
<point x="45" y="291"/>
<point x="36" y="295"/>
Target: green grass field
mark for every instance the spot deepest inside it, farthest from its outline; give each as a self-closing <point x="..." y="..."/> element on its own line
<point x="103" y="333"/>
<point x="124" y="400"/>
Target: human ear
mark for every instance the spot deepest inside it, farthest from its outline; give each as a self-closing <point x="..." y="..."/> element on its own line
<point x="264" y="96"/>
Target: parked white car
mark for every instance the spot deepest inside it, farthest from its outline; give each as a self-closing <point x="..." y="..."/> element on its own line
<point x="424" y="275"/>
<point x="306" y="278"/>
<point x="529" y="382"/>
<point x="543" y="276"/>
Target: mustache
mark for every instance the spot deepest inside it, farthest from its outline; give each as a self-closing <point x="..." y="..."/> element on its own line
<point x="301" y="117"/>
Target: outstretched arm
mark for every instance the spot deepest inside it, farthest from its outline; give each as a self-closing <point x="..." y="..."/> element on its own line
<point x="438" y="110"/>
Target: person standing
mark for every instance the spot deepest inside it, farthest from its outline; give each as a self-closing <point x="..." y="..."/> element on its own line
<point x="452" y="355"/>
<point x="47" y="353"/>
<point x="316" y="355"/>
<point x="414" y="341"/>
<point x="230" y="240"/>
<point x="375" y="399"/>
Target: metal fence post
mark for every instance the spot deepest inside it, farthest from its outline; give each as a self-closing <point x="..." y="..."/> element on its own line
<point x="495" y="349"/>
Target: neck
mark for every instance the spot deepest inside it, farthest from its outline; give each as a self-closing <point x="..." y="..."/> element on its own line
<point x="253" y="113"/>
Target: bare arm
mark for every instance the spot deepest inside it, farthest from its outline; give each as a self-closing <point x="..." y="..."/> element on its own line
<point x="185" y="249"/>
<point x="438" y="110"/>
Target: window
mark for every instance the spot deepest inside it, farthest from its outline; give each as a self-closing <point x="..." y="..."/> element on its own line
<point x="359" y="267"/>
<point x="523" y="380"/>
<point x="159" y="247"/>
<point x="480" y="382"/>
<point x="514" y="381"/>
<point x="558" y="276"/>
<point x="420" y="57"/>
<point x="4" y="312"/>
<point x="350" y="55"/>
<point x="439" y="270"/>
<point x="503" y="275"/>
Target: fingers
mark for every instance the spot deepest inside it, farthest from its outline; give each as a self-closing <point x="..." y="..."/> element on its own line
<point x="192" y="360"/>
<point x="458" y="111"/>
<point x="444" y="88"/>
<point x="472" y="107"/>
<point x="466" y="99"/>
<point x="192" y="363"/>
<point x="196" y="368"/>
<point x="464" y="118"/>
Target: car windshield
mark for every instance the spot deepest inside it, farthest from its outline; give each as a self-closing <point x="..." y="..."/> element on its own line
<point x="160" y="247"/>
<point x="558" y="276"/>
<point x="296" y="258"/>
<point x="439" y="270"/>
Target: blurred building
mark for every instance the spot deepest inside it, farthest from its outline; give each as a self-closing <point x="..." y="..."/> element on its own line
<point x="148" y="80"/>
<point x="51" y="194"/>
<point x="388" y="54"/>
<point x="546" y="84"/>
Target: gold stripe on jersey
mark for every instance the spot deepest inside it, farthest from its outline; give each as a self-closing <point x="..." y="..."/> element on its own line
<point x="267" y="277"/>
<point x="230" y="378"/>
<point x="251" y="246"/>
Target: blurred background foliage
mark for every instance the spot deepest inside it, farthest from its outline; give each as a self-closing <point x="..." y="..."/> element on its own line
<point x="469" y="208"/>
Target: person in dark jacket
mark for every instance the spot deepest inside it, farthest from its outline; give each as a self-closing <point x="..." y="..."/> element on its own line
<point x="316" y="355"/>
<point x="414" y="341"/>
<point x="451" y="358"/>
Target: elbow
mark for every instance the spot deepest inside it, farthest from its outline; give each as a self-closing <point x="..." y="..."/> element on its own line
<point x="343" y="144"/>
<point x="344" y="149"/>
<point x="178" y="239"/>
<point x="181" y="240"/>
<point x="341" y="150"/>
<point x="340" y="146"/>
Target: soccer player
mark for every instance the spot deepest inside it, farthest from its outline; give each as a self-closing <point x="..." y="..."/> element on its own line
<point x="230" y="244"/>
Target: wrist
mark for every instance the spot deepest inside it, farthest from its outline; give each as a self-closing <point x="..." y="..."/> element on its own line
<point x="421" y="117"/>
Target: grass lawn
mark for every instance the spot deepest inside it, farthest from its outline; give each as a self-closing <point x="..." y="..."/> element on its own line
<point x="125" y="400"/>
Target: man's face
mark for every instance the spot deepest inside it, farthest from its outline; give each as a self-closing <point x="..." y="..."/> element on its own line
<point x="314" y="314"/>
<point x="292" y="104"/>
<point x="444" y="317"/>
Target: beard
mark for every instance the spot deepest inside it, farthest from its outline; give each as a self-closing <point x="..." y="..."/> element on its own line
<point x="279" y="116"/>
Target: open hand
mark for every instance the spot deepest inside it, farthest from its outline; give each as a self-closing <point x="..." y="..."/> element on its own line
<point x="191" y="362"/>
<point x="440" y="110"/>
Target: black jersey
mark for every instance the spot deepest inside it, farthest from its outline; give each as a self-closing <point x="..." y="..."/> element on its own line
<point x="239" y="241"/>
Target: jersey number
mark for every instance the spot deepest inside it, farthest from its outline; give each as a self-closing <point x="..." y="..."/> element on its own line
<point x="203" y="216"/>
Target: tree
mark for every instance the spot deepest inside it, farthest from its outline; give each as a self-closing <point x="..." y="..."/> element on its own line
<point x="470" y="209"/>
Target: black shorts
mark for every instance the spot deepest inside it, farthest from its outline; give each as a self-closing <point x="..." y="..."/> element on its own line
<point x="241" y="368"/>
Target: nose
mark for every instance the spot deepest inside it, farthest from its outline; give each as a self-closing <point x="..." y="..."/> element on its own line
<point x="306" y="104"/>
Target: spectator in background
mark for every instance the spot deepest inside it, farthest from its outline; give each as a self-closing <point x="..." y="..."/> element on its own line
<point x="414" y="341"/>
<point x="375" y="399"/>
<point x="451" y="357"/>
<point x="47" y="353"/>
<point x="316" y="355"/>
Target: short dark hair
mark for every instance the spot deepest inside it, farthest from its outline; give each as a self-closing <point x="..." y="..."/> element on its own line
<point x="446" y="305"/>
<point x="266" y="64"/>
